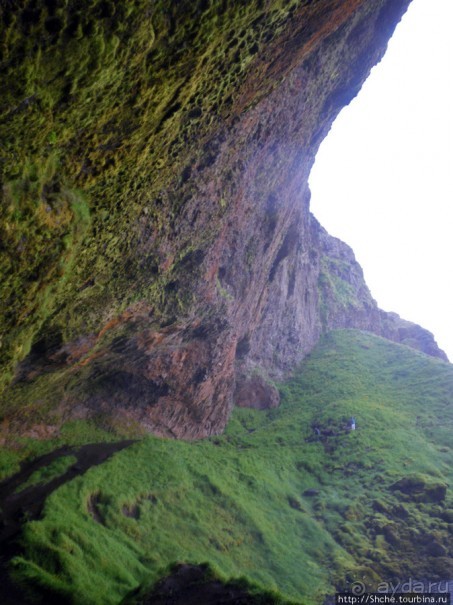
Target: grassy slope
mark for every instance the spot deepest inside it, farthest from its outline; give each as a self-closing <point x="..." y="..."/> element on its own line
<point x="238" y="500"/>
<point x="75" y="432"/>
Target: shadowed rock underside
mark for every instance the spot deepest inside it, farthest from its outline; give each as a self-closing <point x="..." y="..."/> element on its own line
<point x="158" y="253"/>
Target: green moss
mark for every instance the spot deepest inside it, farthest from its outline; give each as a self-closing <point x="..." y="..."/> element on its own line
<point x="223" y="291"/>
<point x="42" y="227"/>
<point x="335" y="288"/>
<point x="99" y="99"/>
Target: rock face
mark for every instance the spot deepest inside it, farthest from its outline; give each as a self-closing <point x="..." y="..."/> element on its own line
<point x="158" y="251"/>
<point x="346" y="301"/>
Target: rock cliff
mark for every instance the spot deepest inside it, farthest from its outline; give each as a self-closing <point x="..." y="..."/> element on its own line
<point x="157" y="249"/>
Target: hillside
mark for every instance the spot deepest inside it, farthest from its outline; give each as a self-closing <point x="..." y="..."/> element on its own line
<point x="290" y="498"/>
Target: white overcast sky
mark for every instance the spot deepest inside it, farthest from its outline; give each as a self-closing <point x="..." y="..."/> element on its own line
<point x="383" y="178"/>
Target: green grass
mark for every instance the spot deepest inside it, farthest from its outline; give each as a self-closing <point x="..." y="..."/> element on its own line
<point x="51" y="471"/>
<point x="239" y="501"/>
<point x="75" y="432"/>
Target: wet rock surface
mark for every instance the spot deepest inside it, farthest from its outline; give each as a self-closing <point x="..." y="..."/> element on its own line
<point x="183" y="256"/>
<point x="256" y="392"/>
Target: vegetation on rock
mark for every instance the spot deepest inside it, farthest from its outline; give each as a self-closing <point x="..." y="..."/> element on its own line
<point x="154" y="164"/>
<point x="98" y="101"/>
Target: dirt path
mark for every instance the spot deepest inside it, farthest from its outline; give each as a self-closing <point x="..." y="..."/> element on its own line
<point x="17" y="508"/>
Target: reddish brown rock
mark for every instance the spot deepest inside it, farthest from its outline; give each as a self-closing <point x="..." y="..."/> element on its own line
<point x="215" y="270"/>
<point x="256" y="392"/>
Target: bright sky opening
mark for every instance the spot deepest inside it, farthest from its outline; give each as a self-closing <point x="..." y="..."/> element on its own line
<point x="383" y="178"/>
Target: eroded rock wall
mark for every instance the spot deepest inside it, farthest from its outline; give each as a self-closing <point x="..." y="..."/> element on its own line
<point x="182" y="260"/>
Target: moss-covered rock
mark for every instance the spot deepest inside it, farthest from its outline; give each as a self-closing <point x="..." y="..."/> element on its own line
<point x="155" y="210"/>
<point x="420" y="488"/>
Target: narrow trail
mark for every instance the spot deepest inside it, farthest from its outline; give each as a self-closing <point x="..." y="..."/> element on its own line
<point x="26" y="505"/>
